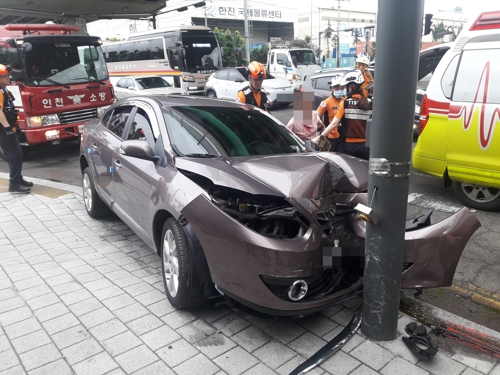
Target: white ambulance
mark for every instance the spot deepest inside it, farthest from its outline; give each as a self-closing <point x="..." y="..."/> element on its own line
<point x="460" y="116"/>
<point x="291" y="61"/>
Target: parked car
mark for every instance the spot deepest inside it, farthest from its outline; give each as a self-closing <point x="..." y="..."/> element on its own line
<point x="460" y="136"/>
<point x="226" y="83"/>
<point x="236" y="207"/>
<point x="319" y="83"/>
<point x="145" y="85"/>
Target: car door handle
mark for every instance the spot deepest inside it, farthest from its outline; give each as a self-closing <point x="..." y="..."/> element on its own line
<point x="118" y="163"/>
<point x="94" y="146"/>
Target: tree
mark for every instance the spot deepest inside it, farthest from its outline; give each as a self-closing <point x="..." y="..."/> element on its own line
<point x="260" y="54"/>
<point x="114" y="39"/>
<point x="439" y="28"/>
<point x="372" y="51"/>
<point x="232" y="46"/>
<point x="308" y="40"/>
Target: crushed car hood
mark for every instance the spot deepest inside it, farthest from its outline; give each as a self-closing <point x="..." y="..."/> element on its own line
<point x="312" y="175"/>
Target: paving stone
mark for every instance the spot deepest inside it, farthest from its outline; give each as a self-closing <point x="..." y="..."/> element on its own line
<point x="231" y="324"/>
<point x="214" y="345"/>
<point x="307" y="344"/>
<point x="178" y="318"/>
<point x="144" y="324"/>
<point x="480" y="361"/>
<point x="155" y="369"/>
<point x="151" y="297"/>
<point x="236" y="361"/>
<point x="139" y="288"/>
<point x="251" y="338"/>
<point x="52" y="311"/>
<point x="81" y="351"/>
<point x="60" y="323"/>
<point x="365" y="370"/>
<point x="59" y="367"/>
<point x="31" y="341"/>
<point x="35" y="292"/>
<point x="108" y="292"/>
<point x="260" y="369"/>
<point x="76" y="296"/>
<point x="98" y="284"/>
<point x="39" y="356"/>
<point x="96" y="317"/>
<point x="15" y="316"/>
<point x="136" y="358"/>
<point x="285" y="330"/>
<point x="372" y="354"/>
<point x="70" y="287"/>
<point x="22" y="328"/>
<point x="8" y="359"/>
<point x="43" y="301"/>
<point x="274" y="354"/>
<point x="199" y="365"/>
<point x="162" y="308"/>
<point x="177" y="352"/>
<point x="131" y="312"/>
<point x="108" y="329"/>
<point x="340" y="364"/>
<point x="160" y="337"/>
<point x="399" y="365"/>
<point x="70" y="336"/>
<point x="318" y="324"/>
<point x="11" y="304"/>
<point x="441" y="365"/>
<point x="195" y="331"/>
<point x="121" y="343"/>
<point x="99" y="364"/>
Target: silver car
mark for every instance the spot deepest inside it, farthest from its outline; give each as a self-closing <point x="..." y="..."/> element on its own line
<point x="145" y="85"/>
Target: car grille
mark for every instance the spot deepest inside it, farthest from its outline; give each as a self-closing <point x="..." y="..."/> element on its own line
<point x="77" y="116"/>
<point x="326" y="220"/>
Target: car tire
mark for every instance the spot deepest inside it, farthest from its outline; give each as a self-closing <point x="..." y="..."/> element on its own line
<point x="283" y="105"/>
<point x="180" y="279"/>
<point x="211" y="94"/>
<point x="477" y="196"/>
<point x="94" y="205"/>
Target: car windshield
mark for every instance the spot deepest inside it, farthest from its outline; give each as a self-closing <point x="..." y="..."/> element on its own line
<point x="151" y="83"/>
<point x="228" y="131"/>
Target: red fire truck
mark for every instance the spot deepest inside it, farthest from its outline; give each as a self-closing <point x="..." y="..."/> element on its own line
<point x="59" y="80"/>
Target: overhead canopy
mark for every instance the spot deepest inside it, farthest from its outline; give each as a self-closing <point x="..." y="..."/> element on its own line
<point x="64" y="11"/>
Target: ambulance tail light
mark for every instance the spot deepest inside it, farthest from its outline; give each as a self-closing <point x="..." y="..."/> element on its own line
<point x="486" y="21"/>
<point x="424" y="114"/>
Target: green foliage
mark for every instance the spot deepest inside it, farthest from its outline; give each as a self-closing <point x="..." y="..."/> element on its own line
<point x="232" y="45"/>
<point x="372" y="51"/>
<point x="439" y="28"/>
<point x="308" y="40"/>
<point x="115" y="39"/>
<point x="259" y="54"/>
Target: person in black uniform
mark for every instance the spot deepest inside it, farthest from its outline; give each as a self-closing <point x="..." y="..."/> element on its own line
<point x="253" y="94"/>
<point x="8" y="136"/>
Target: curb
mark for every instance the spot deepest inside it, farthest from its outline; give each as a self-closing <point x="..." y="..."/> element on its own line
<point x="50" y="184"/>
<point x="454" y="325"/>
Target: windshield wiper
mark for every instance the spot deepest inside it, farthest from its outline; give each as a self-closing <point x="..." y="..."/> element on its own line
<point x="202" y="155"/>
<point x="56" y="83"/>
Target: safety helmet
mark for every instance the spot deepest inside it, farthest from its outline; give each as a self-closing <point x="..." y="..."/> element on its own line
<point x="353" y="76"/>
<point x="256" y="70"/>
<point x="363" y="58"/>
<point x="4" y="70"/>
<point x="336" y="79"/>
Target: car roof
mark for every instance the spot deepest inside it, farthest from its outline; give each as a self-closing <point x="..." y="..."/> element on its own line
<point x="137" y="77"/>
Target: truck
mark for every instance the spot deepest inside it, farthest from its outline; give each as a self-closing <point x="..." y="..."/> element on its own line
<point x="291" y="61"/>
<point x="59" y="80"/>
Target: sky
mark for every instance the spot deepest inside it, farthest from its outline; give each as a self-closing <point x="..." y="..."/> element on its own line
<point x="439" y="8"/>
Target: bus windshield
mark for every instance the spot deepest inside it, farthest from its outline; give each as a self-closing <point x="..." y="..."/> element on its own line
<point x="54" y="64"/>
<point x="202" y="53"/>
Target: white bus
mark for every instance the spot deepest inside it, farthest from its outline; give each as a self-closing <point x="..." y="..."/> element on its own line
<point x="184" y="55"/>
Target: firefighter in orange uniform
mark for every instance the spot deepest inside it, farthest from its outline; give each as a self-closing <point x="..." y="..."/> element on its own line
<point x="331" y="105"/>
<point x="253" y="94"/>
<point x="361" y="64"/>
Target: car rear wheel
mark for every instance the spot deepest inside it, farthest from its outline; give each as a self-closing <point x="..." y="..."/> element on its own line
<point x="477" y="196"/>
<point x="93" y="203"/>
<point x="211" y="94"/>
<point x="180" y="279"/>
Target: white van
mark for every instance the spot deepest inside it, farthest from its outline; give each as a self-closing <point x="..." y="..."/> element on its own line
<point x="460" y="116"/>
<point x="291" y="61"/>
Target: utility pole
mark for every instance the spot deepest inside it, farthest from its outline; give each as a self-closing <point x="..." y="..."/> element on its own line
<point x="247" y="37"/>
<point x="338" y="37"/>
<point x="399" y="28"/>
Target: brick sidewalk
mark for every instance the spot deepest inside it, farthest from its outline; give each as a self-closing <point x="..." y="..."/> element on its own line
<point x="85" y="296"/>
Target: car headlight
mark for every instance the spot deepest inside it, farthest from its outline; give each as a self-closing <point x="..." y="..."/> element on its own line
<point x="417" y="108"/>
<point x="46" y="120"/>
<point x="101" y="110"/>
<point x="188" y="79"/>
<point x="298" y="78"/>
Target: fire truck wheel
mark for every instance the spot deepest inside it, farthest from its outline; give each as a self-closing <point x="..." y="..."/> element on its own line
<point x="93" y="203"/>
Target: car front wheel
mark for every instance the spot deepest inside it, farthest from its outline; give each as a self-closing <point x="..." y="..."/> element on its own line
<point x="211" y="94"/>
<point x="93" y="203"/>
<point x="477" y="196"/>
<point x="180" y="279"/>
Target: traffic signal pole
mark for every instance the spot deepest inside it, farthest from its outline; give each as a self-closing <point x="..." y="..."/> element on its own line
<point x="399" y="28"/>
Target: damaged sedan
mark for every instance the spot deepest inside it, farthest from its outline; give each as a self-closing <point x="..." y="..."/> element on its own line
<point x="238" y="208"/>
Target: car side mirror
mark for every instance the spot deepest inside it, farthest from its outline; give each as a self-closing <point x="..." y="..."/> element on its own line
<point x="131" y="88"/>
<point x="138" y="149"/>
<point x="239" y="80"/>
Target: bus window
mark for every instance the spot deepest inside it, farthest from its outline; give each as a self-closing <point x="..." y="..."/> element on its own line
<point x="157" y="51"/>
<point x="173" y="58"/>
<point x="125" y="52"/>
<point x="142" y="50"/>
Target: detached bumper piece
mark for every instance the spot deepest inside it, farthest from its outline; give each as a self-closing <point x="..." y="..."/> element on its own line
<point x="333" y="346"/>
<point x="419" y="341"/>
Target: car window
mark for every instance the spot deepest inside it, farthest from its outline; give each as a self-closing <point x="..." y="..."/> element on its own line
<point x="235" y="75"/>
<point x="449" y="77"/>
<point x="322" y="83"/>
<point x="122" y="83"/>
<point x="272" y="58"/>
<point x="478" y="77"/>
<point x="282" y="58"/>
<point x="130" y="83"/>
<point x="228" y="131"/>
<point x="141" y="128"/>
<point x="222" y="74"/>
<point x="118" y="120"/>
<point x="105" y="118"/>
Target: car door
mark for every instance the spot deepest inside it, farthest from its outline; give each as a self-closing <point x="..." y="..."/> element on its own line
<point x="220" y="84"/>
<point x="136" y="180"/>
<point x="106" y="138"/>
<point x="234" y="83"/>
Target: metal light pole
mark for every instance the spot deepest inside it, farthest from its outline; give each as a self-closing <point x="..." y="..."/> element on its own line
<point x="399" y="28"/>
<point x="338" y="37"/>
<point x="247" y="37"/>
